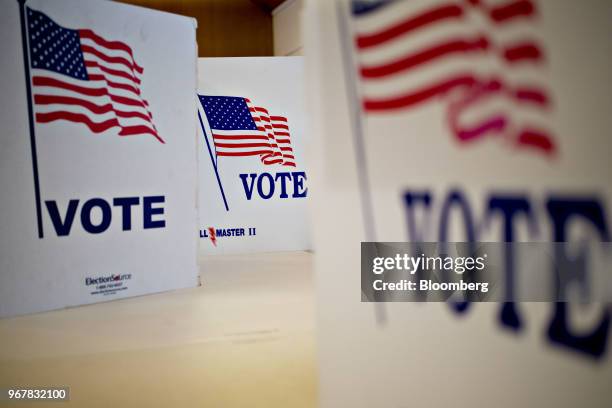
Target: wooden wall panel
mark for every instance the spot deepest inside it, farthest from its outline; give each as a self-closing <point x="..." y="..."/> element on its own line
<point x="226" y="28"/>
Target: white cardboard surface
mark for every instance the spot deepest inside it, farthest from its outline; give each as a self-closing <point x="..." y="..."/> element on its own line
<point x="407" y="354"/>
<point x="76" y="164"/>
<point x="274" y="83"/>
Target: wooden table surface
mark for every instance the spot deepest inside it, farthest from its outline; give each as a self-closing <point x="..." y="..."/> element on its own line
<point x="245" y="338"/>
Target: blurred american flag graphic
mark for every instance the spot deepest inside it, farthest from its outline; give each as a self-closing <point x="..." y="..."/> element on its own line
<point x="480" y="58"/>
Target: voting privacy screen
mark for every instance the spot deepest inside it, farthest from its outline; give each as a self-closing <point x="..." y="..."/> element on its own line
<point x="253" y="186"/>
<point x="98" y="154"/>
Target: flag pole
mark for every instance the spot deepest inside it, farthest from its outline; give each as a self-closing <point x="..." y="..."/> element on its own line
<point x="354" y="102"/>
<point x="357" y="126"/>
<point x="26" y="62"/>
<point x="213" y="161"/>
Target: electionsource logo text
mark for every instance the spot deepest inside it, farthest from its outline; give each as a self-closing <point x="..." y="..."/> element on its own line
<point x="105" y="279"/>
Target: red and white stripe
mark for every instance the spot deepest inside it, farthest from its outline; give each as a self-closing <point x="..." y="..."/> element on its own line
<point x="280" y="127"/>
<point x="276" y="129"/>
<point x="410" y="52"/>
<point x="240" y="142"/>
<point x="466" y="52"/>
<point x="520" y="58"/>
<point x="111" y="98"/>
<point x="271" y="140"/>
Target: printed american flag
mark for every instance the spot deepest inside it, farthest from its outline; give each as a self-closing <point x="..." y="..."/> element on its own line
<point x="481" y="58"/>
<point x="79" y="76"/>
<point x="240" y="128"/>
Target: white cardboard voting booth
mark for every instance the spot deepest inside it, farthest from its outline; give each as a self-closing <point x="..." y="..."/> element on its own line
<point x="253" y="186"/>
<point x="98" y="153"/>
<point x="424" y="161"/>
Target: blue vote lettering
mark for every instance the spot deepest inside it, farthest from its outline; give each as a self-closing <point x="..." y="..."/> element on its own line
<point x="513" y="209"/>
<point x="152" y="214"/>
<point x="267" y="186"/>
